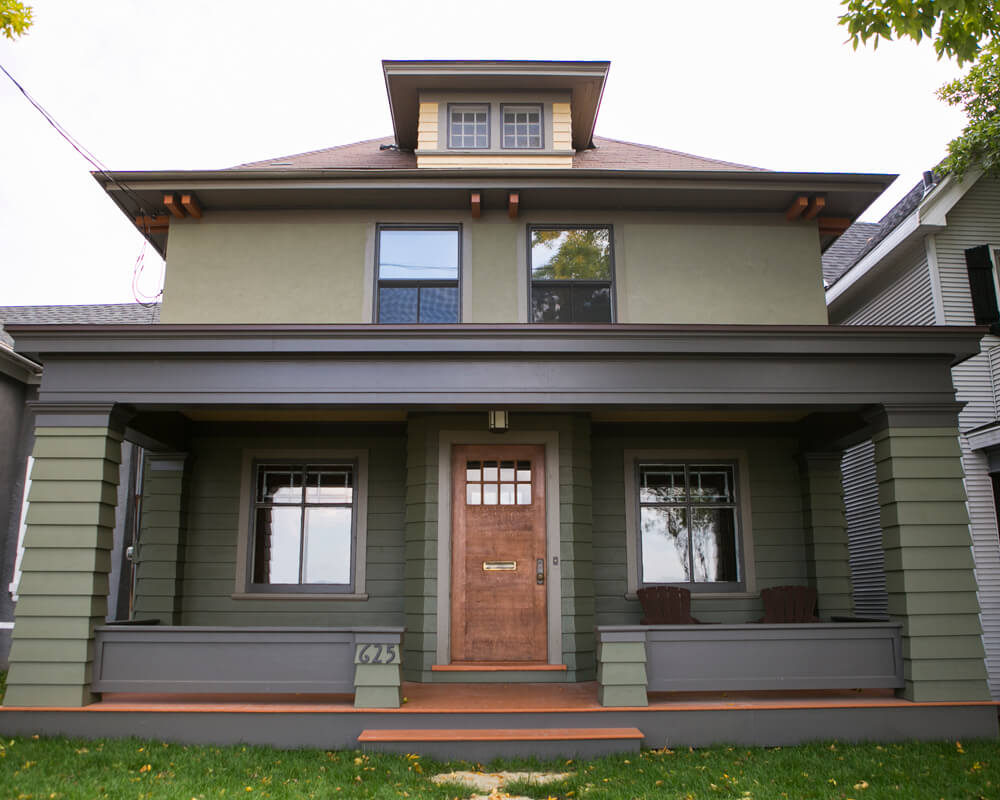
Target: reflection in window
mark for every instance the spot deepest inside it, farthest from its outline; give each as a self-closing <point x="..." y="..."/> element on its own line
<point x="418" y="275"/>
<point x="303" y="524"/>
<point x="571" y="274"/>
<point x="687" y="523"/>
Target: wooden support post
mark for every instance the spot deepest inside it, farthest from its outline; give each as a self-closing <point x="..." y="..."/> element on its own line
<point x="512" y="202"/>
<point x="477" y="208"/>
<point x="799" y="204"/>
<point x="191" y="205"/>
<point x="172" y="204"/>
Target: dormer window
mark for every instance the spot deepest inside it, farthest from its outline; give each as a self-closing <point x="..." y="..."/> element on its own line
<point x="522" y="127"/>
<point x="469" y="127"/>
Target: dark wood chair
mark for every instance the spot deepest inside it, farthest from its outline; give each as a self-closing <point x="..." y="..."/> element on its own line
<point x="789" y="604"/>
<point x="666" y="605"/>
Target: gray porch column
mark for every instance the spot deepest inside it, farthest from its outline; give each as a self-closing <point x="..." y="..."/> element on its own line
<point x="825" y="522"/>
<point x="67" y="555"/>
<point x="928" y="556"/>
<point x="161" y="536"/>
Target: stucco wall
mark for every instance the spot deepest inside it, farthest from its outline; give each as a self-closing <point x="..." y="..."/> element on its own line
<point x="318" y="267"/>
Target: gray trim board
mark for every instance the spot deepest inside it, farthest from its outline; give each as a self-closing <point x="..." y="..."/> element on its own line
<point x="697" y="728"/>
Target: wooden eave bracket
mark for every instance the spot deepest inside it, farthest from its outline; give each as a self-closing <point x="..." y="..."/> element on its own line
<point x="181" y="205"/>
<point x="513" y="200"/>
<point x="476" y="201"/>
<point x="799" y="204"/>
<point x="804" y="207"/>
<point x="153" y="223"/>
<point x="833" y="225"/>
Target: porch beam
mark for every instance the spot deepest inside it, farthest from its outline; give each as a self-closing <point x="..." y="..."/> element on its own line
<point x="64" y="585"/>
<point x="928" y="558"/>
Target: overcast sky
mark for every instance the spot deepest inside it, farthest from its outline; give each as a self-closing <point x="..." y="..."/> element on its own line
<point x="203" y="85"/>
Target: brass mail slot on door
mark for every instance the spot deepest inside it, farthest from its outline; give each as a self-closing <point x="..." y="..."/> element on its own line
<point x="499" y="566"/>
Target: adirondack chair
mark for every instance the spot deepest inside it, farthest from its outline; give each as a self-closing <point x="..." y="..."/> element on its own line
<point x="783" y="604"/>
<point x="666" y="605"/>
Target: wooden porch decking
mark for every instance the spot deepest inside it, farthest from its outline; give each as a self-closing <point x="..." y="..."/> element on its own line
<point x="507" y="698"/>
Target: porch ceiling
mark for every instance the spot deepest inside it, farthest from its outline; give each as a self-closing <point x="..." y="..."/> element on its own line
<point x="604" y="367"/>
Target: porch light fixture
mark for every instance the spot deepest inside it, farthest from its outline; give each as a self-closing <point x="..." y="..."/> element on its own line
<point x="499" y="421"/>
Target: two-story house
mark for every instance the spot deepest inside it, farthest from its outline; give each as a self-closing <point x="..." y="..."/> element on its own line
<point x="423" y="416"/>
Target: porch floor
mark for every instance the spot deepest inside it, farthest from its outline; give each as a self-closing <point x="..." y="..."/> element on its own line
<point x="478" y="698"/>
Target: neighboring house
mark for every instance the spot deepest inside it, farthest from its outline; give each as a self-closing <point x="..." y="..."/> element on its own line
<point x="19" y="379"/>
<point x="931" y="260"/>
<point x="437" y="407"/>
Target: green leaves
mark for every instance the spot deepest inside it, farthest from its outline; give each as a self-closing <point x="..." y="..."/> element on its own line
<point x="978" y="95"/>
<point x="957" y="27"/>
<point x="15" y="18"/>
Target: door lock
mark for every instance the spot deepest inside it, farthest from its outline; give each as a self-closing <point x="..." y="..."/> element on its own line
<point x="540" y="571"/>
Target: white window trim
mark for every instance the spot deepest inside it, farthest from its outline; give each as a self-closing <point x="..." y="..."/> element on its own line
<point x="744" y="523"/>
<point x="245" y="531"/>
<point x="22" y="529"/>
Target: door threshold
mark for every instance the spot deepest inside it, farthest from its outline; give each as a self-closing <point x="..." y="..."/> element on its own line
<point x="498" y="666"/>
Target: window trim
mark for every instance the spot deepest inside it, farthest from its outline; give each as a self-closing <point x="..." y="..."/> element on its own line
<point x="470" y="106"/>
<point x="245" y="588"/>
<point x="744" y="519"/>
<point x="541" y="125"/>
<point x="410" y="284"/>
<point x="570" y="283"/>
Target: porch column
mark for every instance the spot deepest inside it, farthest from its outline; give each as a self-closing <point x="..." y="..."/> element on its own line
<point x="928" y="557"/>
<point x="161" y="535"/>
<point x="67" y="554"/>
<point x="825" y="522"/>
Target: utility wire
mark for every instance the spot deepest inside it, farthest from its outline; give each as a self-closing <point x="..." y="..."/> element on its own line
<point x="96" y="163"/>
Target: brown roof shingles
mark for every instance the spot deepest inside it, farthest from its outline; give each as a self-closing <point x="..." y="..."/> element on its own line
<point x="607" y="154"/>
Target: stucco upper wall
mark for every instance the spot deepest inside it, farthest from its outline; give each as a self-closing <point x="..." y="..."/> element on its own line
<point x="749" y="271"/>
<point x="318" y="267"/>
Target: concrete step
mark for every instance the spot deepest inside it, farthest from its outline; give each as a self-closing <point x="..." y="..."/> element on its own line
<point x="488" y="743"/>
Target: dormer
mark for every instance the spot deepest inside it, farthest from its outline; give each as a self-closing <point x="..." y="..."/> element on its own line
<point x="494" y="114"/>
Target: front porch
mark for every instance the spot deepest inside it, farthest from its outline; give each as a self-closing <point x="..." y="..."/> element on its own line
<point x="236" y="421"/>
<point x="483" y="721"/>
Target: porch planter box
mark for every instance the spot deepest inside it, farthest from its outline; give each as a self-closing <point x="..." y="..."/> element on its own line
<point x="744" y="657"/>
<point x="159" y="658"/>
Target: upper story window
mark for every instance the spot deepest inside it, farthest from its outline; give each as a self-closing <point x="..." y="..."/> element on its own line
<point x="522" y="127"/>
<point x="469" y="127"/>
<point x="417" y="269"/>
<point x="572" y="273"/>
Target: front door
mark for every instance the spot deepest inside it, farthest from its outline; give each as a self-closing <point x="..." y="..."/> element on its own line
<point x="498" y="570"/>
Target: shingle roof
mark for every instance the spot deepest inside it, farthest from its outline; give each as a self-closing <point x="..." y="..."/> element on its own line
<point x="98" y="314"/>
<point x="607" y="154"/>
<point x="863" y="237"/>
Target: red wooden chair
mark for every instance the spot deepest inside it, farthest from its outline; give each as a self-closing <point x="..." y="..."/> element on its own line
<point x="784" y="604"/>
<point x="666" y="605"/>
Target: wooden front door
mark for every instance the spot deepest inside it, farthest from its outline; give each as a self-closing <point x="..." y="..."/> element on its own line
<point x="498" y="559"/>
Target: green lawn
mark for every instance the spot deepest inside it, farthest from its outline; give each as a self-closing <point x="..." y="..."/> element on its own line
<point x="61" y="769"/>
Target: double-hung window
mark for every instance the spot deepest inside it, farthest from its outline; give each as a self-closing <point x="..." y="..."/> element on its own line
<point x="572" y="273"/>
<point x="304" y="525"/>
<point x="522" y="127"/>
<point x="469" y="127"/>
<point x="417" y="270"/>
<point x="688" y="524"/>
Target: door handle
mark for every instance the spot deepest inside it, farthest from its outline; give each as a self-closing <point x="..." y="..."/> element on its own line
<point x="540" y="571"/>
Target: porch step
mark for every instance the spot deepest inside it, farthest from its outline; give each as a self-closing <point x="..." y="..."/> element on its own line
<point x="487" y="743"/>
<point x="497" y="666"/>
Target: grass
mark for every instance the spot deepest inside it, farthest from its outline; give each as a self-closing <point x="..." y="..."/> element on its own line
<point x="34" y="768"/>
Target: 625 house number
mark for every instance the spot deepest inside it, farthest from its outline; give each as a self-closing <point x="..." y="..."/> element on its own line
<point x="377" y="654"/>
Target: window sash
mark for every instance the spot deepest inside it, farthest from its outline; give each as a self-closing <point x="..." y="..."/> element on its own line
<point x="521" y="127"/>
<point x="303" y="505"/>
<point x="423" y="287"/>
<point x="690" y="505"/>
<point x="469" y="127"/>
<point x="572" y="288"/>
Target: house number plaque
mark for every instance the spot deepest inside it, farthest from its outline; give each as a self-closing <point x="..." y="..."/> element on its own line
<point x="376" y="654"/>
